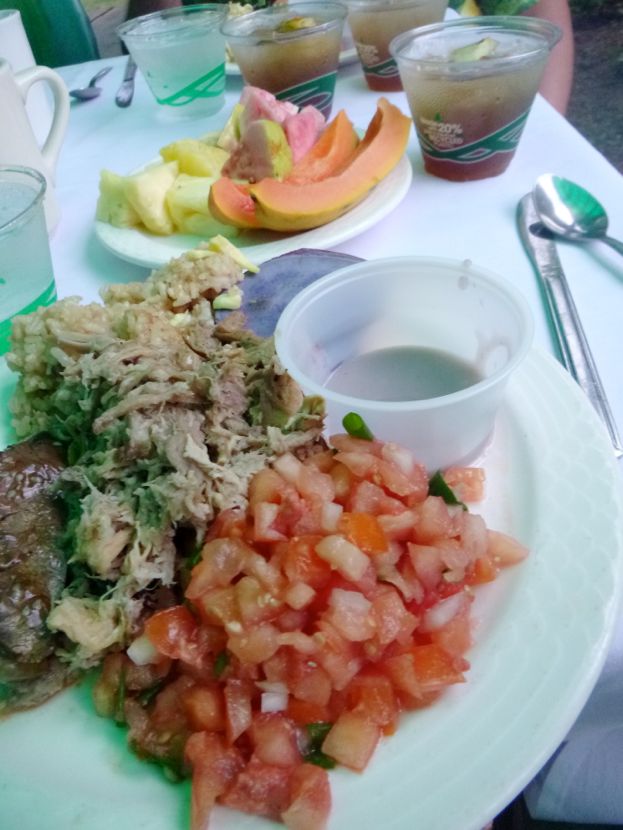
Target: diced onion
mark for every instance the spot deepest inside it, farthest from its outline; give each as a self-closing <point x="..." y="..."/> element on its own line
<point x="330" y="516"/>
<point x="274" y="701"/>
<point x="272" y="686"/>
<point x="142" y="651"/>
<point x="440" y="614"/>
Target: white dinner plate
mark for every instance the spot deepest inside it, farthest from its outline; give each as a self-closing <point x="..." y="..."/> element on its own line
<point x="543" y="632"/>
<point x="152" y="251"/>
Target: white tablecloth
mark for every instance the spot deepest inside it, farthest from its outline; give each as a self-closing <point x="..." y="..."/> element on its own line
<point x="460" y="220"/>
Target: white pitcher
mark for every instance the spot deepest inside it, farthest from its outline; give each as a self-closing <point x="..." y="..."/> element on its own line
<point x="18" y="144"/>
<point x="15" y="48"/>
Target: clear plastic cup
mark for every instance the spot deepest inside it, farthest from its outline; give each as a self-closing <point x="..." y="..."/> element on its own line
<point x="375" y="23"/>
<point x="470" y="85"/>
<point x="291" y="50"/>
<point x="421" y="348"/>
<point x="26" y="275"/>
<point x="181" y="53"/>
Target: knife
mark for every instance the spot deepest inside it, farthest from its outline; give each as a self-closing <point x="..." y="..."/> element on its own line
<point x="574" y="349"/>
<point x="125" y="92"/>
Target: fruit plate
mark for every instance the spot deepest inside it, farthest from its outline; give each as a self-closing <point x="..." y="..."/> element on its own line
<point x="152" y="251"/>
<point x="543" y="631"/>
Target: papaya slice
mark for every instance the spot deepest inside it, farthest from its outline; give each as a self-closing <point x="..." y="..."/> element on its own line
<point x="286" y="206"/>
<point x="329" y="154"/>
<point x="231" y="203"/>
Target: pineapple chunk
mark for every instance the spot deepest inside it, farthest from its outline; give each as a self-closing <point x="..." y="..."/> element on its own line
<point x="112" y="205"/>
<point x="195" y="157"/>
<point x="146" y="191"/>
<point x="187" y="202"/>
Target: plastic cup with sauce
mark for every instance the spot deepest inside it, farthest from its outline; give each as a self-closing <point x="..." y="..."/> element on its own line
<point x="421" y="348"/>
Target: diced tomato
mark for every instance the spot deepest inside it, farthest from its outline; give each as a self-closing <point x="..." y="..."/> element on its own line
<point x="361" y="464"/>
<point x="474" y="537"/>
<point x="467" y="483"/>
<point x="504" y="550"/>
<point x="172" y="631"/>
<point x="307" y="680"/>
<point x="366" y="497"/>
<point x="350" y="613"/>
<point x="221" y="561"/>
<point x="255" y="603"/>
<point x="227" y="524"/>
<point x="342" y="555"/>
<point x="215" y="768"/>
<point x="266" y="486"/>
<point x="310" y="799"/>
<point x="301" y="563"/>
<point x="340" y="658"/>
<point x="218" y="606"/>
<point x="371" y="694"/>
<point x="267" y="520"/>
<point x="425" y="668"/>
<point x="427" y="564"/>
<point x="260" y="789"/>
<point x="303" y="712"/>
<point x="339" y="598"/>
<point x="398" y="526"/>
<point x="238" y="710"/>
<point x="455" y="637"/>
<point x="348" y="443"/>
<point x="435" y="521"/>
<point x="482" y="570"/>
<point x="392" y="620"/>
<point x="364" y="531"/>
<point x="342" y="482"/>
<point x="274" y="740"/>
<point x="205" y="707"/>
<point x="352" y="740"/>
<point x="254" y="645"/>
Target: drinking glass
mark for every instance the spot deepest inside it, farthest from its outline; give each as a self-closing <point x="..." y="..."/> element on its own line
<point x="26" y="275"/>
<point x="181" y="53"/>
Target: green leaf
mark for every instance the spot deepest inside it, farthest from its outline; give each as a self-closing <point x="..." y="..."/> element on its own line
<point x="221" y="662"/>
<point x="437" y="486"/>
<point x="317" y="732"/>
<point x="356" y="426"/>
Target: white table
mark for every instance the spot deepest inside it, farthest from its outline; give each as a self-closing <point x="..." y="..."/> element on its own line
<point x="461" y="220"/>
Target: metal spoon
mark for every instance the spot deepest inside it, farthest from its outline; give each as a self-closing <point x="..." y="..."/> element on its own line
<point x="85" y="93"/>
<point x="570" y="211"/>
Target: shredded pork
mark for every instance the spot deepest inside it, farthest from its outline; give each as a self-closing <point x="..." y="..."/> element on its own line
<point x="165" y="416"/>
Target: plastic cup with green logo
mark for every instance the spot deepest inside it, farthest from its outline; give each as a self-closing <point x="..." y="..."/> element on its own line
<point x="291" y="50"/>
<point x="470" y="85"/>
<point x="26" y="275"/>
<point x="181" y="53"/>
<point x="375" y="23"/>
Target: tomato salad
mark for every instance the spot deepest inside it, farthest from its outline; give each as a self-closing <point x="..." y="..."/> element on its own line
<point x="340" y="598"/>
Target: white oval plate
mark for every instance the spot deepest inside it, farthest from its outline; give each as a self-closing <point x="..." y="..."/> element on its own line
<point x="152" y="251"/>
<point x="543" y="632"/>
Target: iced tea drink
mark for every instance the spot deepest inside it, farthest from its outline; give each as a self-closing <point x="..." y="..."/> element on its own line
<point x="290" y="50"/>
<point x="375" y="23"/>
<point x="470" y="86"/>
